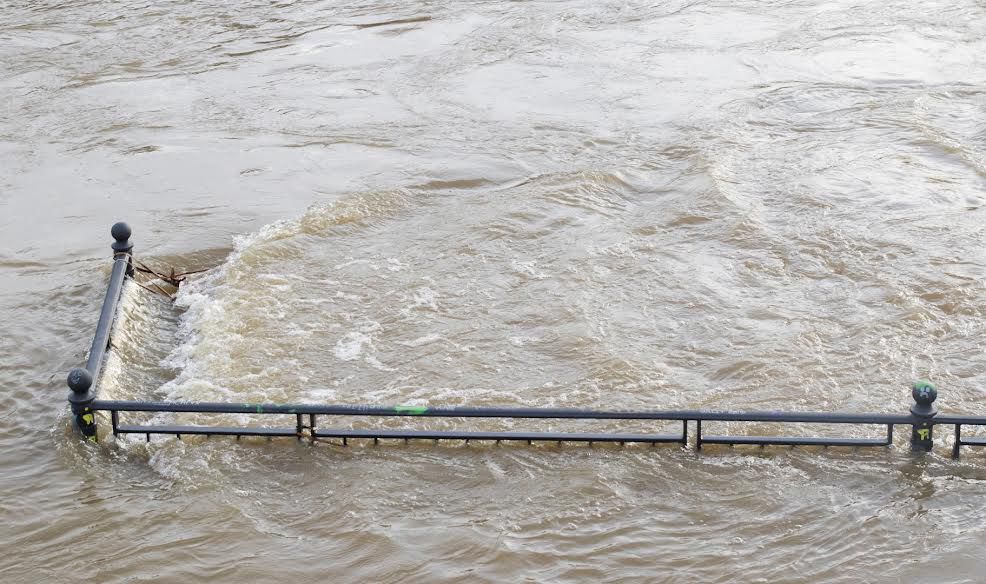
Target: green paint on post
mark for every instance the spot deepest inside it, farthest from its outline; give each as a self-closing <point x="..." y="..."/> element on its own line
<point x="923" y="385"/>
<point x="413" y="410"/>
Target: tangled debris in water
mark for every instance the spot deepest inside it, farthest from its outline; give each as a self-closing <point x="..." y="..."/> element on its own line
<point x="173" y="279"/>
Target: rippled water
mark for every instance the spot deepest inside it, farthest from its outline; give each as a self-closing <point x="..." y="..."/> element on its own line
<point x="595" y="204"/>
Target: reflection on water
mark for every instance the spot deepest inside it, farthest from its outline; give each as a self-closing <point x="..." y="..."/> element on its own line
<point x="594" y="204"/>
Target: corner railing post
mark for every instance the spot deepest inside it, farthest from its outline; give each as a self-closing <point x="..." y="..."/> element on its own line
<point x="922" y="431"/>
<point x="80" y="397"/>
<point x="82" y="381"/>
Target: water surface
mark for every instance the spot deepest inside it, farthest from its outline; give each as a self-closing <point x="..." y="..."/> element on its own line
<point x="742" y="205"/>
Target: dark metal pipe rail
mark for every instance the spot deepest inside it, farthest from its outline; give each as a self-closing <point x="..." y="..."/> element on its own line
<point x="83" y="382"/>
<point x="922" y="416"/>
<point x="494" y="412"/>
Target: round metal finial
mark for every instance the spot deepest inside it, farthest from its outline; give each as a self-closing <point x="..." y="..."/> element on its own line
<point x="79" y="380"/>
<point x="121" y="232"/>
<point x="924" y="394"/>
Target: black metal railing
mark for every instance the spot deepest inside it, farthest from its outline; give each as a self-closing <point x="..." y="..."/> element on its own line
<point x="82" y="381"/>
<point x="922" y="417"/>
<point x="306" y="426"/>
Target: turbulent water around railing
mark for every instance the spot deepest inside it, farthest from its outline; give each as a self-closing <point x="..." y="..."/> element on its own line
<point x="743" y="205"/>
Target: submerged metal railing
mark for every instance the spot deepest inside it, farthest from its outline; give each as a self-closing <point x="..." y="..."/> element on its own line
<point x="922" y="417"/>
<point x="80" y="381"/>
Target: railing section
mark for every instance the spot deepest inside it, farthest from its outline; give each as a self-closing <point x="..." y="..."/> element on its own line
<point x="83" y="382"/>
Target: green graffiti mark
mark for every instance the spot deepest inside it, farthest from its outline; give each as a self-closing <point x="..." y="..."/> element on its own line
<point x="413" y="410"/>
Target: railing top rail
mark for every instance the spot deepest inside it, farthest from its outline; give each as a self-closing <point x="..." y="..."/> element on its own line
<point x="507" y="412"/>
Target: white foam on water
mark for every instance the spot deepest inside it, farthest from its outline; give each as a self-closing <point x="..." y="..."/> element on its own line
<point x="423" y="340"/>
<point x="254" y="298"/>
<point x="425" y="297"/>
<point x="351" y="346"/>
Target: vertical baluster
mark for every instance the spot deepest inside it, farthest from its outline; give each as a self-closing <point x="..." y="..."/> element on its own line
<point x="958" y="441"/>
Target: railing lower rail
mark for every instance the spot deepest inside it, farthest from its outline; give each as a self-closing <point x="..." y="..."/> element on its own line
<point x="922" y="416"/>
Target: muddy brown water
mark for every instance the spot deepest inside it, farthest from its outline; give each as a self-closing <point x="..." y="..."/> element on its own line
<point x="732" y="205"/>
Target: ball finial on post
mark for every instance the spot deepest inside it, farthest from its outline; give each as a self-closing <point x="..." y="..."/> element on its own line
<point x="79" y="381"/>
<point x="121" y="232"/>
<point x="924" y="394"/>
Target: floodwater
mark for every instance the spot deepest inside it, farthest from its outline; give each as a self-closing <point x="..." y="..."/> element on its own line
<point x="657" y="205"/>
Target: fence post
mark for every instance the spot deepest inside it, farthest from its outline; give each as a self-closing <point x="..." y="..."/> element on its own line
<point x="922" y="431"/>
<point x="121" y="232"/>
<point x="80" y="382"/>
